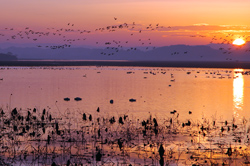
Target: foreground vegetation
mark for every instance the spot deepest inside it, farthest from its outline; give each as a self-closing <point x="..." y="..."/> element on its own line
<point x="39" y="137"/>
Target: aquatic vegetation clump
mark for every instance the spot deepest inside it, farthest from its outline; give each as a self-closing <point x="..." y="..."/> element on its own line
<point x="35" y="136"/>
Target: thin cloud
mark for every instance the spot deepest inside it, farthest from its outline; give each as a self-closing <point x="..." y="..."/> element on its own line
<point x="205" y="27"/>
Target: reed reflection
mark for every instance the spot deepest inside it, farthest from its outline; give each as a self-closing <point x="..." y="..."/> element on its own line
<point x="238" y="91"/>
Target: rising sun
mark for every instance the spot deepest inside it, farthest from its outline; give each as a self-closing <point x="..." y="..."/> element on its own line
<point x="239" y="42"/>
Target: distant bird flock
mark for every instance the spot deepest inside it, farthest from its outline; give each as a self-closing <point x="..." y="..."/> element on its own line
<point x="136" y="36"/>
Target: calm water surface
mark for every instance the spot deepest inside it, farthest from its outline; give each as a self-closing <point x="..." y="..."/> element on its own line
<point x="209" y="93"/>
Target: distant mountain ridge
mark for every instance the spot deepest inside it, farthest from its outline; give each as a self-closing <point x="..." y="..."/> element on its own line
<point x="7" y="57"/>
<point x="166" y="53"/>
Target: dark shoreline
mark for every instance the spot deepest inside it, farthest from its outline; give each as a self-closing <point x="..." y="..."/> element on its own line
<point x="188" y="64"/>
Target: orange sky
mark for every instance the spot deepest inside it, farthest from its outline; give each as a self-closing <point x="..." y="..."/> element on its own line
<point x="180" y="21"/>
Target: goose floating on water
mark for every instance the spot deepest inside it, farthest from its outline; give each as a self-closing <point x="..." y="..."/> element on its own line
<point x="78" y="99"/>
<point x="132" y="100"/>
<point x="66" y="99"/>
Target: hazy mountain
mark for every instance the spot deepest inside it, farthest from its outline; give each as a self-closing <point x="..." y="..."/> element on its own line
<point x="7" y="57"/>
<point x="168" y="53"/>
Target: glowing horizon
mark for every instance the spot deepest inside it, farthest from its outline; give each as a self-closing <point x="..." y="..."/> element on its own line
<point x="165" y="22"/>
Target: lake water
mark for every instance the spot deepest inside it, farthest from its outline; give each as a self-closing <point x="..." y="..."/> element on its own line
<point x="216" y="99"/>
<point x="217" y="93"/>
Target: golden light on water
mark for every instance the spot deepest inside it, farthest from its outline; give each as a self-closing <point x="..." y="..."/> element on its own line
<point x="239" y="42"/>
<point x="238" y="91"/>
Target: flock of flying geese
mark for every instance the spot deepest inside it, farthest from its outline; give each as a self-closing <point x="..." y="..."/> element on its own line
<point x="111" y="47"/>
<point x="64" y="33"/>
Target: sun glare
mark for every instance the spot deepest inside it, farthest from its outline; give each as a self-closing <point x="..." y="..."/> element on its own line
<point x="238" y="42"/>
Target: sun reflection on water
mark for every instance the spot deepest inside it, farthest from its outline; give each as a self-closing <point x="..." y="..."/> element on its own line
<point x="238" y="91"/>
